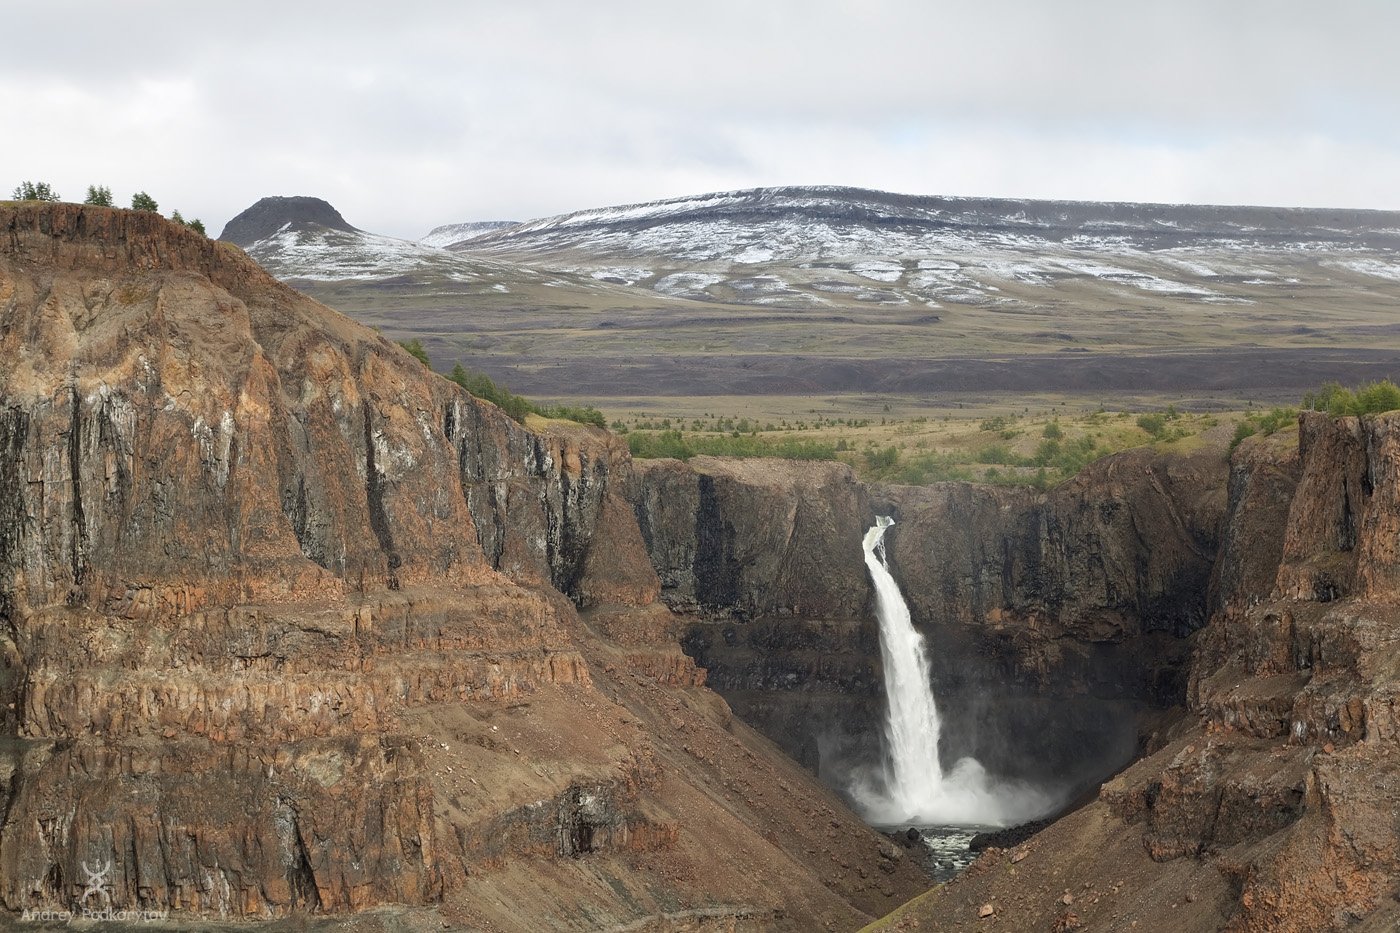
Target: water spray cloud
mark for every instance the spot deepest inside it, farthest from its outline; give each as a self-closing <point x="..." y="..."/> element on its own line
<point x="913" y="788"/>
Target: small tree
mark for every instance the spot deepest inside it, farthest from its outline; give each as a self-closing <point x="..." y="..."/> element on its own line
<point x="99" y="196"/>
<point x="175" y="216"/>
<point x="197" y="226"/>
<point x="141" y="201"/>
<point x="415" y="348"/>
<point x="35" y="191"/>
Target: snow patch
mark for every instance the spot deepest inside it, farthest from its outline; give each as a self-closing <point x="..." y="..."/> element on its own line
<point x="879" y="270"/>
<point x="1376" y="268"/>
<point x="687" y="284"/>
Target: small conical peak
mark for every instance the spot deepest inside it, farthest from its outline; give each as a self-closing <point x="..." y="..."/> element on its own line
<point x="270" y="215"/>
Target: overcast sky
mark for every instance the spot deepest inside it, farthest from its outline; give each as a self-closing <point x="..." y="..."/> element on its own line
<point x="405" y="115"/>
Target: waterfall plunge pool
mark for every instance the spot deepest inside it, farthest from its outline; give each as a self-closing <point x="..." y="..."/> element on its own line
<point x="912" y="793"/>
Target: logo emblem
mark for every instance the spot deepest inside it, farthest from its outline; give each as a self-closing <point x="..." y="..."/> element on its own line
<point x="97" y="882"/>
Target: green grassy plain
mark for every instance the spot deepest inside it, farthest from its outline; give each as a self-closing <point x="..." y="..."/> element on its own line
<point x="1039" y="441"/>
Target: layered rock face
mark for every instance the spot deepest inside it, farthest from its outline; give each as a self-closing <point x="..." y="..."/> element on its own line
<point x="291" y="624"/>
<point x="1054" y="620"/>
<point x="1276" y="804"/>
<point x="764" y="559"/>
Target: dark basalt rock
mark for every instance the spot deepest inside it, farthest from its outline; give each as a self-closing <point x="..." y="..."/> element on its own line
<point x="1008" y="837"/>
<point x="1055" y="621"/>
<point x="269" y="215"/>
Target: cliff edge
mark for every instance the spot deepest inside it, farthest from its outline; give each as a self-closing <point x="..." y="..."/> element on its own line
<point x="1275" y="804"/>
<point x="291" y="625"/>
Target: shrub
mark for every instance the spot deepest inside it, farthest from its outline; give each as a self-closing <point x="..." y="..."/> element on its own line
<point x="480" y="385"/>
<point x="654" y="446"/>
<point x="998" y="453"/>
<point x="583" y="414"/>
<point x="1154" y="423"/>
<point x="881" y="459"/>
<point x="1242" y="430"/>
<point x="1336" y="400"/>
<point x="1046" y="451"/>
<point x="1053" y="431"/>
<point x="414" y="346"/>
<point x="1377" y="397"/>
<point x="1262" y="423"/>
<point x="1278" y="418"/>
<point x="1076" y="455"/>
<point x="749" y="445"/>
<point x="933" y="467"/>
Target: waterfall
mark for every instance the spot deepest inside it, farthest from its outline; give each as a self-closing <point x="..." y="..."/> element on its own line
<point x="913" y="774"/>
<point x="915" y="788"/>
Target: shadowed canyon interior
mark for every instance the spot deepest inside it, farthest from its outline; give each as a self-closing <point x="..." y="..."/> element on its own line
<point x="295" y="628"/>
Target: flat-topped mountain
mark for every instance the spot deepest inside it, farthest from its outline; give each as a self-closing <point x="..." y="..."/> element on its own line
<point x="817" y="215"/>
<point x="271" y="215"/>
<point x="819" y="248"/>
<point x="306" y="239"/>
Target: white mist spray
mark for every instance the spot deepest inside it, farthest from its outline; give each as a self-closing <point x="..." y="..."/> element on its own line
<point x="915" y="789"/>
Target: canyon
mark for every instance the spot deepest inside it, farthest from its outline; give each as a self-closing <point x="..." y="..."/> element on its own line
<point x="295" y="629"/>
<point x="1271" y="804"/>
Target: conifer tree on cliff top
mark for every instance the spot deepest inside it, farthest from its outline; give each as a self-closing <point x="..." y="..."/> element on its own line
<point x="35" y="191"/>
<point x="99" y="196"/>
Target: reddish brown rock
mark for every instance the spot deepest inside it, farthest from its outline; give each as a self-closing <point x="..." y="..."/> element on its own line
<point x="290" y="625"/>
<point x="1276" y="802"/>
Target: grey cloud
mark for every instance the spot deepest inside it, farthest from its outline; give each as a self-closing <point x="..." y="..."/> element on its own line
<point x="417" y="113"/>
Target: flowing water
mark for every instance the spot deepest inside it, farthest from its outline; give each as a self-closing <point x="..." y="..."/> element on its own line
<point x="913" y="775"/>
<point x="913" y="788"/>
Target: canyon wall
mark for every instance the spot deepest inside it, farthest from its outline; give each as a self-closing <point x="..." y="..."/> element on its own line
<point x="1057" y="621"/>
<point x="1274" y="805"/>
<point x="291" y="624"/>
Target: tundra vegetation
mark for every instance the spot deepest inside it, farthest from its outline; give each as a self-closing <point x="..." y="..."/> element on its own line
<point x="1033" y="446"/>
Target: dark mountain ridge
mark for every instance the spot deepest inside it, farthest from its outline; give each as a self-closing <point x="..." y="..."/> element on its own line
<point x="1147" y="225"/>
<point x="271" y="214"/>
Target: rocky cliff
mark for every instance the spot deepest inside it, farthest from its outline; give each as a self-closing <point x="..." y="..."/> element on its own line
<point x="270" y="215"/>
<point x="291" y="624"/>
<point x="1058" y="621"/>
<point x="1273" y="805"/>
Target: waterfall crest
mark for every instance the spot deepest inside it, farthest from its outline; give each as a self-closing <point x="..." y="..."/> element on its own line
<point x="913" y="788"/>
